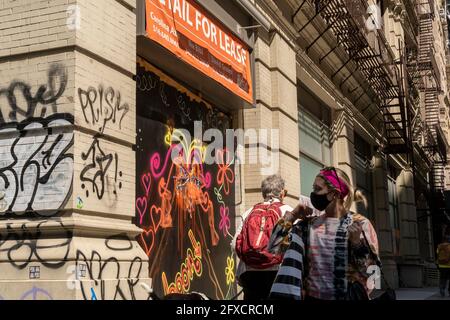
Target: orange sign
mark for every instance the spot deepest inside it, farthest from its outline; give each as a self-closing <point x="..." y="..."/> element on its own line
<point x="185" y="29"/>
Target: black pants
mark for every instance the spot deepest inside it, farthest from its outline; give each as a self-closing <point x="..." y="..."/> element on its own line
<point x="257" y="284"/>
<point x="444" y="275"/>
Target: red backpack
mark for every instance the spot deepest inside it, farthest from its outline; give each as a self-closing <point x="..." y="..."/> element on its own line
<point x="251" y="243"/>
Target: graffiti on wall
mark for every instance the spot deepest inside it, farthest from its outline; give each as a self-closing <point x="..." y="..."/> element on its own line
<point x="191" y="266"/>
<point x="22" y="103"/>
<point x="36" y="164"/>
<point x="36" y="174"/>
<point x="35" y="293"/>
<point x="104" y="273"/>
<point x="25" y="244"/>
<point x="101" y="275"/>
<point x="101" y="108"/>
<point x="184" y="205"/>
<point x="99" y="166"/>
<point x="110" y="279"/>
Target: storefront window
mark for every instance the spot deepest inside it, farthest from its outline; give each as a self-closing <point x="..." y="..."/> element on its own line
<point x="184" y="205"/>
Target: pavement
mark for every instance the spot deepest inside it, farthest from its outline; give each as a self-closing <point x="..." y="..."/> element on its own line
<point x="420" y="294"/>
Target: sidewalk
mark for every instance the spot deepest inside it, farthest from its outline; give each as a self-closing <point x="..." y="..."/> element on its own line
<point x="420" y="294"/>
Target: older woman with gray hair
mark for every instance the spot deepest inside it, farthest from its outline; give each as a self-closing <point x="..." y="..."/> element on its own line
<point x="257" y="268"/>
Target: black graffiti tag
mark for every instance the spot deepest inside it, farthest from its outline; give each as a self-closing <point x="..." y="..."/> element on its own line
<point x="36" y="165"/>
<point x="116" y="285"/>
<point x="45" y="95"/>
<point x="27" y="242"/>
<point x="114" y="242"/>
<point x="96" y="171"/>
<point x="102" y="106"/>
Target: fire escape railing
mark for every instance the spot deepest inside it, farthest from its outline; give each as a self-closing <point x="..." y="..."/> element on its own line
<point x="375" y="60"/>
<point x="410" y="6"/>
<point x="435" y="143"/>
<point x="414" y="83"/>
<point x="428" y="67"/>
<point x="396" y="83"/>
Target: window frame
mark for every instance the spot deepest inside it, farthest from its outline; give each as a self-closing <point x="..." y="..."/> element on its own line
<point x="325" y="134"/>
<point x="394" y="216"/>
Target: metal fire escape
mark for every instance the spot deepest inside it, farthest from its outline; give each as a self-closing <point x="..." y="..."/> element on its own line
<point x="415" y="84"/>
<point x="430" y="87"/>
<point x="384" y="74"/>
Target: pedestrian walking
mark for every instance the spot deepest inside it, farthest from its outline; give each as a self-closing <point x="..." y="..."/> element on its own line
<point x="443" y="262"/>
<point x="326" y="255"/>
<point x="258" y="267"/>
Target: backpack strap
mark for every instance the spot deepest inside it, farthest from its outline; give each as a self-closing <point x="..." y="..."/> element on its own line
<point x="260" y="206"/>
<point x="277" y="205"/>
<point x="274" y="206"/>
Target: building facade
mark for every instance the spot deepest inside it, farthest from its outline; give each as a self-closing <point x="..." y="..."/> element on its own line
<point x="68" y="105"/>
<point x="99" y="202"/>
<point x="372" y="100"/>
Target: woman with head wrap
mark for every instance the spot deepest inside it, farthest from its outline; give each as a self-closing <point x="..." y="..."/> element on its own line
<point x="325" y="253"/>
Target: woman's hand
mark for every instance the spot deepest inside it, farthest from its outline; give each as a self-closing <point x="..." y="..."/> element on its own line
<point x="354" y="233"/>
<point x="300" y="212"/>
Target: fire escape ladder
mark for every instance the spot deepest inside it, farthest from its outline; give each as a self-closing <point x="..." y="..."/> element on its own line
<point x="432" y="110"/>
<point x="396" y="85"/>
<point x="435" y="145"/>
<point x="438" y="177"/>
<point x="414" y="84"/>
<point x="374" y="60"/>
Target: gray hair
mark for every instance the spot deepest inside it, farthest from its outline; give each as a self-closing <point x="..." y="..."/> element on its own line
<point x="272" y="186"/>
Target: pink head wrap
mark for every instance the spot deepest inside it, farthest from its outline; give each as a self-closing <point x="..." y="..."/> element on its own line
<point x="338" y="183"/>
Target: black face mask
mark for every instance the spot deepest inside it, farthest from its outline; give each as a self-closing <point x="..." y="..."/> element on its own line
<point x="319" y="201"/>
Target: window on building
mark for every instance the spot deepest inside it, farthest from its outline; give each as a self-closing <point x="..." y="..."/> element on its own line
<point x="314" y="134"/>
<point x="363" y="168"/>
<point x="308" y="172"/>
